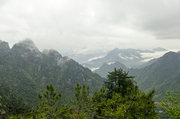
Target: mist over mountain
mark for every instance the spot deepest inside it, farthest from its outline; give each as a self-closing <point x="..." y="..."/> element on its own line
<point x="125" y="48"/>
<point x="153" y="69"/>
<point x="109" y="67"/>
<point x="162" y="74"/>
<point x="131" y="58"/>
<point x="26" y="71"/>
<point x="87" y="56"/>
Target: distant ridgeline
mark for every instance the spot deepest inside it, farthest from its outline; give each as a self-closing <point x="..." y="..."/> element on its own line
<point x="25" y="71"/>
<point x="131" y="58"/>
<point x="161" y="74"/>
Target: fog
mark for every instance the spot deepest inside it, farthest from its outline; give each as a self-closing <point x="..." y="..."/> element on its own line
<point x="89" y="25"/>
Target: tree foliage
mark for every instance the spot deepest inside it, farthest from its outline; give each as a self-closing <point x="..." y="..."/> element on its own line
<point x="82" y="103"/>
<point x="48" y="105"/>
<point x="118" y="81"/>
<point x="171" y="105"/>
<point x="119" y="98"/>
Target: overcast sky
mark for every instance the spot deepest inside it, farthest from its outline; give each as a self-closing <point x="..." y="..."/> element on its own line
<point x="88" y="25"/>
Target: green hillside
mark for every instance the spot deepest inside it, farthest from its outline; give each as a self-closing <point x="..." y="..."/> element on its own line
<point x="162" y="75"/>
<point x="26" y="71"/>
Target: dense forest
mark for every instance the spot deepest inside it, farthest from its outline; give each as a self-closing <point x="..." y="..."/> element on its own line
<point x="45" y="84"/>
<point x="118" y="98"/>
<point x="89" y="59"/>
<point x="24" y="70"/>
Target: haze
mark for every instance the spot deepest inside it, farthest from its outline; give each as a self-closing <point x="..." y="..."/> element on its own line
<point x="82" y="26"/>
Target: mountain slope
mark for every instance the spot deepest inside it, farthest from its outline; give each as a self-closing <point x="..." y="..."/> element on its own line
<point x="109" y="67"/>
<point x="27" y="71"/>
<point x="163" y="74"/>
<point x="131" y="58"/>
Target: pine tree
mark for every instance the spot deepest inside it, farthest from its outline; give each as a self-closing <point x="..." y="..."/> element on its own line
<point x="121" y="99"/>
<point x="119" y="82"/>
<point x="171" y="105"/>
<point x="48" y="105"/>
<point x="82" y="104"/>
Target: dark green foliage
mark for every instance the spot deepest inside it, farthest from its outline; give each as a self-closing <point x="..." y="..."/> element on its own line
<point x="161" y="75"/>
<point x="27" y="71"/>
<point x="106" y="68"/>
<point x="122" y="99"/>
<point x="123" y="103"/>
<point x="12" y="104"/>
<point x="65" y="112"/>
<point x="1" y="110"/>
<point x="119" y="82"/>
<point x="136" y="105"/>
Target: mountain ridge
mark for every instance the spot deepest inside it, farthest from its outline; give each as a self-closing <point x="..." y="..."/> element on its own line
<point x="162" y="75"/>
<point x="131" y="58"/>
<point x="27" y="71"/>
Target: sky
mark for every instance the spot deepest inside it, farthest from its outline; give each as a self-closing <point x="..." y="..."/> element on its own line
<point x="82" y="26"/>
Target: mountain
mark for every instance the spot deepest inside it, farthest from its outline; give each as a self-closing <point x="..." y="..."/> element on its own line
<point x="4" y="51"/>
<point x="109" y="67"/>
<point x="83" y="57"/>
<point x="26" y="71"/>
<point x="159" y="49"/>
<point x="163" y="74"/>
<point x="131" y="58"/>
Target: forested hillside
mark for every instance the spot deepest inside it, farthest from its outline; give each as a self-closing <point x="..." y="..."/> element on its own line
<point x="25" y="71"/>
<point x="119" y="98"/>
<point x="163" y="74"/>
<point x="109" y="67"/>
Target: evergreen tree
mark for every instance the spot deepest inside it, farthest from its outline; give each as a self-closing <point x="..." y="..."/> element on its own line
<point x="48" y="105"/>
<point x="171" y="105"/>
<point x="118" y="81"/>
<point x="82" y="104"/>
<point x="121" y="99"/>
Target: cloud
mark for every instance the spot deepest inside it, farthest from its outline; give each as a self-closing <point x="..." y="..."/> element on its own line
<point x="161" y="18"/>
<point x="2" y="2"/>
<point x="68" y="25"/>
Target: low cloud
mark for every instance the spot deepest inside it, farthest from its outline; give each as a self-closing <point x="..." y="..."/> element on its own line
<point x="91" y="24"/>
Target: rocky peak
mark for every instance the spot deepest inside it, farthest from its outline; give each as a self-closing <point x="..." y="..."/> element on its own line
<point x="4" y="45"/>
<point x="27" y="44"/>
<point x="63" y="60"/>
<point x="52" y="53"/>
<point x="26" y="48"/>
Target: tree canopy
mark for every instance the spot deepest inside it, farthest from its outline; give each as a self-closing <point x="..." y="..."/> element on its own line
<point x="119" y="98"/>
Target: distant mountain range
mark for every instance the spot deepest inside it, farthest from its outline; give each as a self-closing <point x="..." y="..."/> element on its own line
<point x="109" y="67"/>
<point x="26" y="71"/>
<point x="131" y="58"/>
<point x="163" y="74"/>
<point x="153" y="69"/>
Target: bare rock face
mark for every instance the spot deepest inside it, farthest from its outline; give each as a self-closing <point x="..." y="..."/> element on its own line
<point x="63" y="60"/>
<point x="52" y="53"/>
<point x="26" y="49"/>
